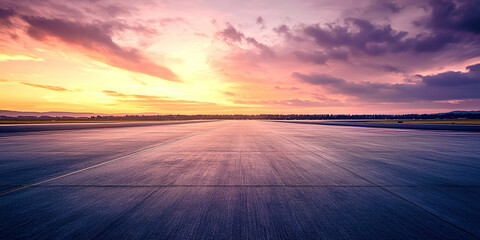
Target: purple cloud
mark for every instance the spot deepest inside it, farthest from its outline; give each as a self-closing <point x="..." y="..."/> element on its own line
<point x="285" y="31"/>
<point x="453" y="16"/>
<point x="384" y="5"/>
<point x="317" y="57"/>
<point x="260" y="21"/>
<point x="231" y="35"/>
<point x="5" y="15"/>
<point x="321" y="57"/>
<point x="291" y="102"/>
<point x="439" y="87"/>
<point x="449" y="27"/>
<point x="358" y="35"/>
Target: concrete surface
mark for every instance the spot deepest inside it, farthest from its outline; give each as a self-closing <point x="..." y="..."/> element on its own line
<point x="373" y="124"/>
<point x="240" y="179"/>
<point x="15" y="128"/>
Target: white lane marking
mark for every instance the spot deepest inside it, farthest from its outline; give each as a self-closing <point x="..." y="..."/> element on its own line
<point x="109" y="161"/>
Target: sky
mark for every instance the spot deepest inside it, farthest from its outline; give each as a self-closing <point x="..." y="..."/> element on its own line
<point x="245" y="57"/>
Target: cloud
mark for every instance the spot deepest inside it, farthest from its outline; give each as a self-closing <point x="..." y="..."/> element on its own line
<point x="160" y="103"/>
<point x="448" y="26"/>
<point x="318" y="79"/>
<point x="48" y="87"/>
<point x="137" y="96"/>
<point x="97" y="39"/>
<point x="5" y="15"/>
<point x="290" y="102"/>
<point x="260" y="21"/>
<point x="317" y="57"/>
<point x="5" y="57"/>
<point x="321" y="57"/>
<point x="230" y="35"/>
<point x="229" y="93"/>
<point x="265" y="50"/>
<point x="114" y="10"/>
<point x="357" y="35"/>
<point x="390" y="68"/>
<point x="284" y="30"/>
<point x="287" y="88"/>
<point x="200" y="35"/>
<point x="167" y="21"/>
<point x="453" y="16"/>
<point x="438" y="87"/>
<point x="385" y="5"/>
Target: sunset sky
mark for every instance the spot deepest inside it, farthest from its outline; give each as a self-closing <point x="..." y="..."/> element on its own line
<point x="246" y="57"/>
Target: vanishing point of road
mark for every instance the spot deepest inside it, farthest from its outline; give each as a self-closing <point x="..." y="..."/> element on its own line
<point x="239" y="180"/>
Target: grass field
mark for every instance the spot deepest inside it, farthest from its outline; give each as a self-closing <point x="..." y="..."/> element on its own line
<point x="475" y="122"/>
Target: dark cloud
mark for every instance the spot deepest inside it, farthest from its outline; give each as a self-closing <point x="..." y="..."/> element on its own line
<point x="358" y="35"/>
<point x="447" y="26"/>
<point x="384" y="5"/>
<point x="462" y="15"/>
<point x="318" y="79"/>
<point x="231" y="35"/>
<point x="5" y="15"/>
<point x="337" y="54"/>
<point x="321" y="57"/>
<point x="98" y="39"/>
<point x="439" y="87"/>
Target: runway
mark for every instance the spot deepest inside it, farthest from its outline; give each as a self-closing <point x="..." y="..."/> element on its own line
<point x="240" y="179"/>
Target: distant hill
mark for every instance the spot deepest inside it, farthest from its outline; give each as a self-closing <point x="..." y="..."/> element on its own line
<point x="463" y="112"/>
<point x="49" y="114"/>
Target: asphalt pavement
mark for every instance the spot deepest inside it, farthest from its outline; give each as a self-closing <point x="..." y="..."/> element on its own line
<point x="239" y="180"/>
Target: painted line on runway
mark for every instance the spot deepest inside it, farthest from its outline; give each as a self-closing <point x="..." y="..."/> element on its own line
<point x="109" y="161"/>
<point x="377" y="185"/>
